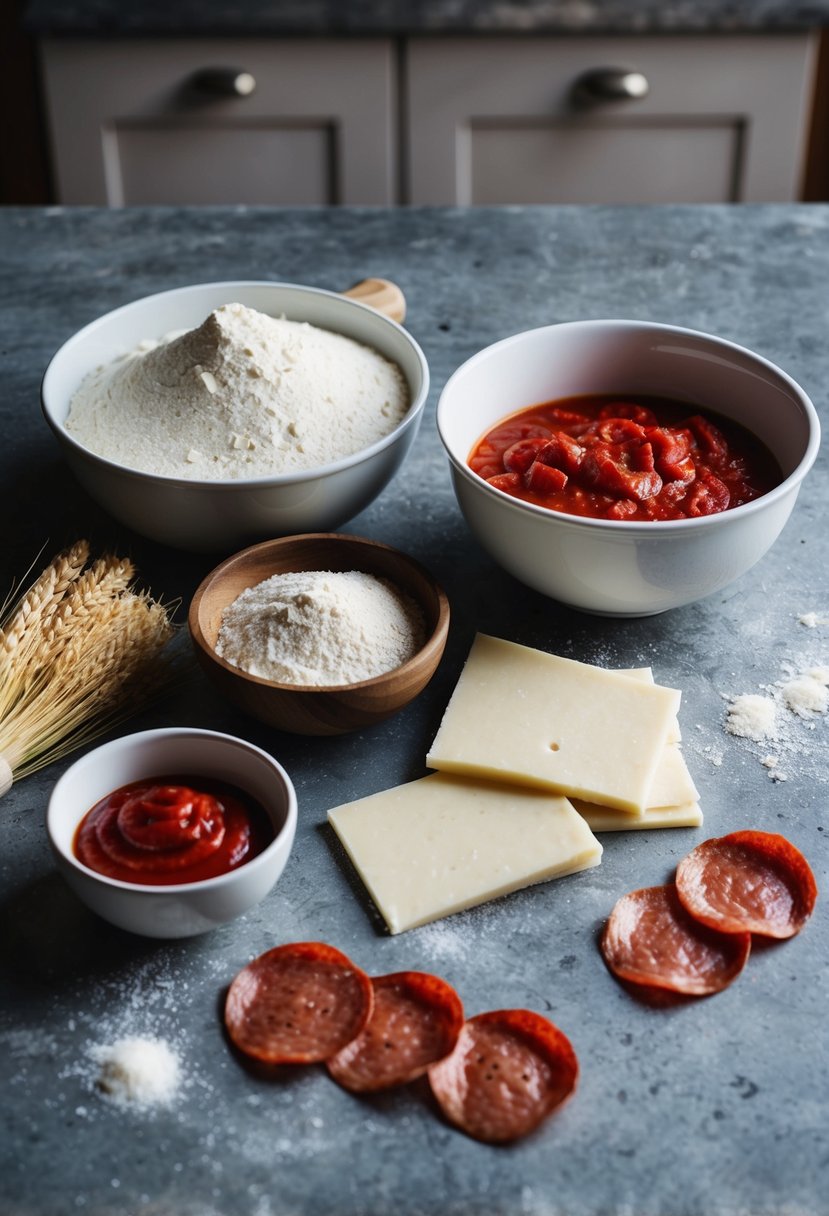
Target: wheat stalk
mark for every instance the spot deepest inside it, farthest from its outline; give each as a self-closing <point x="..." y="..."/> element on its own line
<point x="80" y="650"/>
<point x="21" y="625"/>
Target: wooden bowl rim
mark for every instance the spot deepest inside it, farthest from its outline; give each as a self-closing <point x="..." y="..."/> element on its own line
<point x="433" y="644"/>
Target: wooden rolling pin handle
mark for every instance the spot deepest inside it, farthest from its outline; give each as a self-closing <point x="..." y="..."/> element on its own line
<point x="382" y="295"/>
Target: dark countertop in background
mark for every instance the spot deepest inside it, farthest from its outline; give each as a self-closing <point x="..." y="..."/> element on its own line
<point x="716" y="1108"/>
<point x="388" y="17"/>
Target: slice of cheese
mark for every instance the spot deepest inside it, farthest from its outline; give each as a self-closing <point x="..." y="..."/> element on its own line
<point x="646" y="673"/>
<point x="443" y="843"/>
<point x="672" y="784"/>
<point x="519" y="714"/>
<point x="602" y="819"/>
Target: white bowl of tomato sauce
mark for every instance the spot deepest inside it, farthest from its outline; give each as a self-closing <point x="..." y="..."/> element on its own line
<point x="624" y="467"/>
<point x="172" y="832"/>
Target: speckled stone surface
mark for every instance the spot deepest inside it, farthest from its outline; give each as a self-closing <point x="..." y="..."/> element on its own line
<point x="714" y="1108"/>
<point x="420" y="16"/>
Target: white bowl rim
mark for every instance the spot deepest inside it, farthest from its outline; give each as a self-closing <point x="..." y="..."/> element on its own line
<point x="203" y="884"/>
<point x="226" y="484"/>
<point x="639" y="527"/>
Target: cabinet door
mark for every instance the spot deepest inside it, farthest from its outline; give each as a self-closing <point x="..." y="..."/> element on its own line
<point x="498" y="121"/>
<point x="129" y="124"/>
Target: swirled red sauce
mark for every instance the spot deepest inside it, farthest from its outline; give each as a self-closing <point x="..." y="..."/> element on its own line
<point x="608" y="457"/>
<point x="170" y="830"/>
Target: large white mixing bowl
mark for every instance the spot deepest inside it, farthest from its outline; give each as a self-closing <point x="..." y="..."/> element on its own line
<point x="615" y="567"/>
<point x="213" y="516"/>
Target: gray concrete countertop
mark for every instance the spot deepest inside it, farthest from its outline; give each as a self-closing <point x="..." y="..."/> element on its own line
<point x="193" y="17"/>
<point x="715" y="1108"/>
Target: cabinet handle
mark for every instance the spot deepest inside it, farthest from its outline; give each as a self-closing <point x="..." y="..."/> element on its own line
<point x="610" y="84"/>
<point x="224" y="82"/>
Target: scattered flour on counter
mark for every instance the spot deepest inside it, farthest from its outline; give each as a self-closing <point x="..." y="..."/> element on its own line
<point x="444" y="940"/>
<point x="751" y="716"/>
<point x="772" y="763"/>
<point x="243" y="395"/>
<point x="807" y="693"/>
<point x="137" y="1053"/>
<point x="320" y="628"/>
<point x="783" y="714"/>
<point x="713" y="754"/>
<point x="137" y="1072"/>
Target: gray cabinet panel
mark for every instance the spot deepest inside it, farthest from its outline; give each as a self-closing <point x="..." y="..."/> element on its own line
<point x="128" y="125"/>
<point x="497" y="120"/>
<point x="265" y="163"/>
<point x="603" y="163"/>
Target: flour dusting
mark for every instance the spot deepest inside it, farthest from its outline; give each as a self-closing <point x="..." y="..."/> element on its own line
<point x="784" y="713"/>
<point x="137" y="1071"/>
<point x="752" y="717"/>
<point x="806" y="694"/>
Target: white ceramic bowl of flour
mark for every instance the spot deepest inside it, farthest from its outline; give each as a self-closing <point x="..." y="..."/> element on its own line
<point x="222" y="514"/>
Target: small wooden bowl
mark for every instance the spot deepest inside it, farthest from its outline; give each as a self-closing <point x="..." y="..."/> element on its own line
<point x="313" y="710"/>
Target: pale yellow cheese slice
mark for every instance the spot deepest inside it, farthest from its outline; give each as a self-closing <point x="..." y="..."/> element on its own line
<point x="672" y="784"/>
<point x="443" y="843"/>
<point x="646" y="673"/>
<point x="603" y="819"/>
<point x="672" y="802"/>
<point x="519" y="714"/>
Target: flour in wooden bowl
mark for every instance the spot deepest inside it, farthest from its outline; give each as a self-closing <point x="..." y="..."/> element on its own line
<point x="320" y="628"/>
<point x="244" y="395"/>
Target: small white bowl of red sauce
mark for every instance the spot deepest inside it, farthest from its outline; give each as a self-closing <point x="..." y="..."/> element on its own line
<point x="172" y="832"/>
<point x="625" y="467"/>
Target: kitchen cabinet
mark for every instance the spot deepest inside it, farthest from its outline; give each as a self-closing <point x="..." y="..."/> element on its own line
<point x="431" y="120"/>
<point x="724" y="119"/>
<point x="170" y="121"/>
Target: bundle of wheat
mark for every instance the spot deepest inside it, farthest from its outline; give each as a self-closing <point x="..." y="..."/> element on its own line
<point x="79" y="651"/>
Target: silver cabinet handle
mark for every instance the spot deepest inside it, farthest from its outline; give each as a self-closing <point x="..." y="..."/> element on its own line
<point x="610" y="84"/>
<point x="224" y="82"/>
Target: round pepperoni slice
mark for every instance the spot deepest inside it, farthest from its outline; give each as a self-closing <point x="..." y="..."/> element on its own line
<point x="650" y="939"/>
<point x="748" y="882"/>
<point x="297" y="1004"/>
<point x="416" y="1021"/>
<point x="509" y="1070"/>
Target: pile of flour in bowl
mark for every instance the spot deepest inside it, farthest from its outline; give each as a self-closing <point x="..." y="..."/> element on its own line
<point x="244" y="395"/>
<point x="320" y="628"/>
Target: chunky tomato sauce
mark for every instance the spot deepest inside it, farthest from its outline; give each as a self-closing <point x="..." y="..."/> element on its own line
<point x="608" y="457"/>
<point x="170" y="830"/>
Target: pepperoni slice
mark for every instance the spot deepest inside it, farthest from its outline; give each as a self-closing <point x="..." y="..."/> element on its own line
<point x="297" y="1004"/>
<point x="650" y="939"/>
<point x="509" y="1070"/>
<point x="416" y="1022"/>
<point x="748" y="882"/>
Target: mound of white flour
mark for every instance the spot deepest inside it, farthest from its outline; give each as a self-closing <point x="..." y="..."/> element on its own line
<point x="244" y="395"/>
<point x="139" y="1071"/>
<point x="320" y="628"/>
